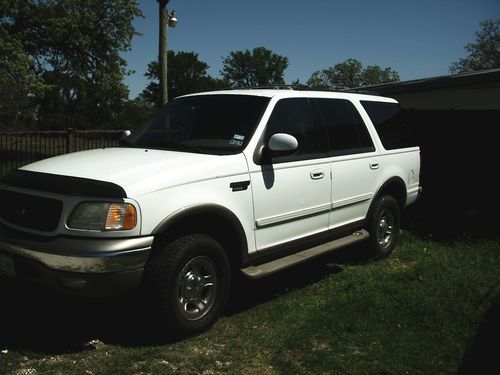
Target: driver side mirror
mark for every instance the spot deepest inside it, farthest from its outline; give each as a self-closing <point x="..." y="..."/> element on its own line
<point x="280" y="144"/>
<point x="283" y="143"/>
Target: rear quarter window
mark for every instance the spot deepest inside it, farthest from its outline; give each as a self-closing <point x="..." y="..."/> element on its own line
<point x="392" y="124"/>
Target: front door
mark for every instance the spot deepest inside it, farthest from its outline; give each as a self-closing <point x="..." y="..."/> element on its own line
<point x="292" y="193"/>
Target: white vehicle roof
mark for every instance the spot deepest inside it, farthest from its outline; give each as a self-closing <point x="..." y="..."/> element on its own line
<point x="280" y="93"/>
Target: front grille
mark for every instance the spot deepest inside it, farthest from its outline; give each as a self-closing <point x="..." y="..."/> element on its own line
<point x="30" y="211"/>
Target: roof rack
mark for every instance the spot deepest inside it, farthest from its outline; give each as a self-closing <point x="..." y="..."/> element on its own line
<point x="302" y="87"/>
<point x="281" y="87"/>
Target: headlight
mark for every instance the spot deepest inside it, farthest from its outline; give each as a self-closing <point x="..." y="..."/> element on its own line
<point x="103" y="216"/>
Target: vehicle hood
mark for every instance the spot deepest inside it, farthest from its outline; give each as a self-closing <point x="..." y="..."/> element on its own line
<point x="140" y="171"/>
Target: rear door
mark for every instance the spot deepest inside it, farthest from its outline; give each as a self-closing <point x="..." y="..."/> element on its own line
<point x="355" y="164"/>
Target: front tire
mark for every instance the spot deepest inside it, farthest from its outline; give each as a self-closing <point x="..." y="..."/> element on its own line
<point x="384" y="225"/>
<point x="187" y="282"/>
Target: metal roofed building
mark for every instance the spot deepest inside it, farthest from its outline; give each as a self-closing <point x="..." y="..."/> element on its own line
<point x="455" y="120"/>
<point x="478" y="90"/>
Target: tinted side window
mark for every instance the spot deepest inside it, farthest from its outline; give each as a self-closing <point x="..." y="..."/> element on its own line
<point x="300" y="118"/>
<point x="346" y="131"/>
<point x="392" y="127"/>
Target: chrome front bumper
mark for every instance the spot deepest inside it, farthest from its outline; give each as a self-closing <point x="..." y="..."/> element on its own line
<point x="83" y="255"/>
<point x="79" y="266"/>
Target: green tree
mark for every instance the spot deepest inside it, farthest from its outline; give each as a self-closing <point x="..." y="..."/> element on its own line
<point x="484" y="53"/>
<point x="186" y="74"/>
<point x="258" y="67"/>
<point x="134" y="113"/>
<point x="15" y="106"/>
<point x="349" y="74"/>
<point x="67" y="56"/>
<point x="17" y="80"/>
<point x="374" y="75"/>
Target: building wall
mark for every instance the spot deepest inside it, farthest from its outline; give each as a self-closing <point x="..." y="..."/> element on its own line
<point x="485" y="96"/>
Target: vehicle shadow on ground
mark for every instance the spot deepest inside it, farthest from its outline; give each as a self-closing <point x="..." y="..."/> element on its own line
<point x="248" y="293"/>
<point x="37" y="320"/>
<point x="40" y="321"/>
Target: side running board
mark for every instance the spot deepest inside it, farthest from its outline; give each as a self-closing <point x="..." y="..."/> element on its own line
<point x="266" y="269"/>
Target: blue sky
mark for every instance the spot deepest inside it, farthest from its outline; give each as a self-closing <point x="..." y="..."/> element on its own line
<point x="416" y="38"/>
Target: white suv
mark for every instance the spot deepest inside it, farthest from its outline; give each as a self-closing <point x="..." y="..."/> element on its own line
<point x="216" y="183"/>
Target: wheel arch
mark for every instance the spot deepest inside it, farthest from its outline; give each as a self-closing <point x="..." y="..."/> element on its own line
<point x="395" y="187"/>
<point x="211" y="219"/>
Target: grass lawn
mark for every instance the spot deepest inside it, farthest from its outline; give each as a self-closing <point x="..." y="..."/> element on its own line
<point x="416" y="312"/>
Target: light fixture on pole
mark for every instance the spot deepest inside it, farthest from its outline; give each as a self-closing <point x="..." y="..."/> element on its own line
<point x="172" y="19"/>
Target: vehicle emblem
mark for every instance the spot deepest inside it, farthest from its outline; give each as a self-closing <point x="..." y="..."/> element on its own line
<point x="20" y="211"/>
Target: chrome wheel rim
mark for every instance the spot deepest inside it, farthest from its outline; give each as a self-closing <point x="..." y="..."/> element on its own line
<point x="197" y="288"/>
<point x="385" y="228"/>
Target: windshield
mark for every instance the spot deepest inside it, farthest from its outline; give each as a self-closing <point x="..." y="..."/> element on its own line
<point x="212" y="124"/>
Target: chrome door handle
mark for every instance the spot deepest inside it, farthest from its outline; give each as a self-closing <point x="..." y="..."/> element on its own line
<point x="317" y="175"/>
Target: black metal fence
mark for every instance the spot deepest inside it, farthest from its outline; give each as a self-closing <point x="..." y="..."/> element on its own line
<point x="20" y="148"/>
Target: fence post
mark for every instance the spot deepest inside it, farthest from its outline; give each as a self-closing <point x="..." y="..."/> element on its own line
<point x="70" y="140"/>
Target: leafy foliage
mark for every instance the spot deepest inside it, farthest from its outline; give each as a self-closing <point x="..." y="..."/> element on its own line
<point x="484" y="53"/>
<point x="186" y="74"/>
<point x="134" y="113"/>
<point x="258" y="67"/>
<point x="65" y="55"/>
<point x="349" y="74"/>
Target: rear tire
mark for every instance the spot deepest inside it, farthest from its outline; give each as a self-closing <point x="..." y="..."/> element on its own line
<point x="384" y="225"/>
<point x="187" y="283"/>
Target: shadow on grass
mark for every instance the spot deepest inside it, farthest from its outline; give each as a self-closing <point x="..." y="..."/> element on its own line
<point x="433" y="220"/>
<point x="446" y="224"/>
<point x="248" y="293"/>
<point x="36" y="320"/>
<point x="482" y="356"/>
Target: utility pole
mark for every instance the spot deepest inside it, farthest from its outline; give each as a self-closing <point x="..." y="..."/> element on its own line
<point x="166" y="20"/>
<point x="163" y="50"/>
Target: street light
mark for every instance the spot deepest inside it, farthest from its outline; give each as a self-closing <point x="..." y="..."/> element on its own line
<point x="166" y="20"/>
<point x="172" y="19"/>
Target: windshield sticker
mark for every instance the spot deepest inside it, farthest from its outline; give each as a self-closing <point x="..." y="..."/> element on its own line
<point x="239" y="137"/>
